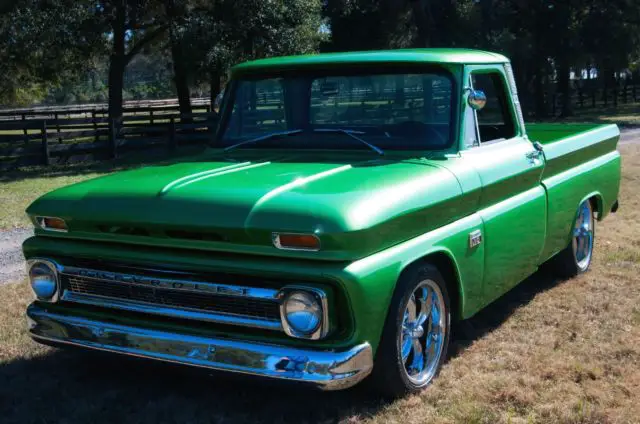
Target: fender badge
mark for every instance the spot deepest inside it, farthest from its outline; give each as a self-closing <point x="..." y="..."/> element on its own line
<point x="475" y="238"/>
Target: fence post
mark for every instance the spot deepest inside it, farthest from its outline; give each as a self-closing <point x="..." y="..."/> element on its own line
<point x="24" y="129"/>
<point x="581" y="96"/>
<point x="56" y="116"/>
<point x="95" y="127"/>
<point x="113" y="145"/>
<point x="45" y="144"/>
<point x="151" y="115"/>
<point x="172" y="133"/>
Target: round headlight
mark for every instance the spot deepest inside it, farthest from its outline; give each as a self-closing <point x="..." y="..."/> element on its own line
<point x="44" y="280"/>
<point x="303" y="312"/>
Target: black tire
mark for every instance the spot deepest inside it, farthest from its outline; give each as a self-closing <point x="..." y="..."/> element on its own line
<point x="389" y="375"/>
<point x="568" y="263"/>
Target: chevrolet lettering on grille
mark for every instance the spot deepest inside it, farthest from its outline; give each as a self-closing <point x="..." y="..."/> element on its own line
<point x="201" y="287"/>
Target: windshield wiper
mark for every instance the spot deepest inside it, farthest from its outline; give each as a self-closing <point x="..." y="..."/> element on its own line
<point x="353" y="134"/>
<point x="263" y="137"/>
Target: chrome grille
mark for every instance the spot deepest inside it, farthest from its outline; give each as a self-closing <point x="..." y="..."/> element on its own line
<point x="218" y="303"/>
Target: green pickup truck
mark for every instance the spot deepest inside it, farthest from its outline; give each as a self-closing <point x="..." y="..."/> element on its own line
<point x="350" y="208"/>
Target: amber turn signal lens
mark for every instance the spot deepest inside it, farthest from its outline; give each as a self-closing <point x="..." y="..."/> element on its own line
<point x="296" y="241"/>
<point x="52" y="224"/>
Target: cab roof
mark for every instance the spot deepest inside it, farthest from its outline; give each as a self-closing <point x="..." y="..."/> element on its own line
<point x="448" y="56"/>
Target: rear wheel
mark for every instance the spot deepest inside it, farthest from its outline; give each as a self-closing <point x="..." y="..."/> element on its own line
<point x="416" y="334"/>
<point x="576" y="257"/>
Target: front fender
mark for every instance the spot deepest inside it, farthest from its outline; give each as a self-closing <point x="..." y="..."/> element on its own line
<point x="373" y="279"/>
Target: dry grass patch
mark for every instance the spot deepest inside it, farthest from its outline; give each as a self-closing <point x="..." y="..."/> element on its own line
<point x="549" y="352"/>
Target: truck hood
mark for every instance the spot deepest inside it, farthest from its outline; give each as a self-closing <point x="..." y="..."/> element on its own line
<point x="356" y="206"/>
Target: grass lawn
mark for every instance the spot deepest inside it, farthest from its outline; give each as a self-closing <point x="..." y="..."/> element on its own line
<point x="548" y="352"/>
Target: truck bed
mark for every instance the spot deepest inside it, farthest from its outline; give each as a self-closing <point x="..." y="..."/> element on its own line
<point x="581" y="162"/>
<point x="567" y="146"/>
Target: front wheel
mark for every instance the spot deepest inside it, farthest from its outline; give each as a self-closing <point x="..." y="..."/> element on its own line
<point x="416" y="334"/>
<point x="576" y="258"/>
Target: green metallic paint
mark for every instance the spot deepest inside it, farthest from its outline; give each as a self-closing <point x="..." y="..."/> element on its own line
<point x="569" y="145"/>
<point x="599" y="178"/>
<point x="357" y="206"/>
<point x="375" y="216"/>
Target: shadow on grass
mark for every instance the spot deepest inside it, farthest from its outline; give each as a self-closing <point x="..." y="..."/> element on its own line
<point x="494" y="315"/>
<point x="75" y="386"/>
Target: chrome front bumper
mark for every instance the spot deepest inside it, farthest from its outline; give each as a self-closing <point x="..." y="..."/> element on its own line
<point x="327" y="370"/>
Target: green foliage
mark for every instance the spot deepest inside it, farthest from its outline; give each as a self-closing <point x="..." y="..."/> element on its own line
<point x="44" y="43"/>
<point x="220" y="33"/>
<point x="67" y="50"/>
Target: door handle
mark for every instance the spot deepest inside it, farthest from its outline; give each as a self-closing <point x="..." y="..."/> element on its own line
<point x="534" y="157"/>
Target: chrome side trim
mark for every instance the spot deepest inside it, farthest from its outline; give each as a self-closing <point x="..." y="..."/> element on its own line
<point x="175" y="312"/>
<point x="328" y="370"/>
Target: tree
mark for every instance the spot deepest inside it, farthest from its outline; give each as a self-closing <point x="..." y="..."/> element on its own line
<point x="216" y="34"/>
<point x="368" y="25"/>
<point x="45" y="43"/>
<point x="133" y="25"/>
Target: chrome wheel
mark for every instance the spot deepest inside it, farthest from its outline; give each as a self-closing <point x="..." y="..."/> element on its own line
<point x="424" y="328"/>
<point x="583" y="236"/>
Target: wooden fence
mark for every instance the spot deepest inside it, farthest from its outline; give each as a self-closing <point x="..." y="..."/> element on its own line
<point x="586" y="96"/>
<point x="130" y="107"/>
<point x="45" y="138"/>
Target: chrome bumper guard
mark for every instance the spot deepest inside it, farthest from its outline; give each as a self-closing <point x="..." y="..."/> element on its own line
<point x="327" y="370"/>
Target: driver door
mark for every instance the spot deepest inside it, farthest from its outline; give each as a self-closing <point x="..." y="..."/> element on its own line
<point x="512" y="201"/>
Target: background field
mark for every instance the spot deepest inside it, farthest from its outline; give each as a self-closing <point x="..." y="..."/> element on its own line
<point x="548" y="352"/>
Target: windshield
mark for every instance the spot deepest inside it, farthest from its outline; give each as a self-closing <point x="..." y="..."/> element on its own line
<point x="391" y="111"/>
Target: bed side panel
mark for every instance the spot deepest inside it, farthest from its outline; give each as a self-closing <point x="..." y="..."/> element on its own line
<point x="599" y="177"/>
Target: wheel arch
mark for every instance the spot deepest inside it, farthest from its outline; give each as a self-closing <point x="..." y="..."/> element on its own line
<point x="597" y="203"/>
<point x="446" y="264"/>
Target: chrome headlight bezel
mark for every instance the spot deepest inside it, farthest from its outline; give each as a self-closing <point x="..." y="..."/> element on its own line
<point x="320" y="298"/>
<point x="55" y="277"/>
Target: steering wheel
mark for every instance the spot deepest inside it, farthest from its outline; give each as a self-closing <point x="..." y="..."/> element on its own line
<point x="419" y="127"/>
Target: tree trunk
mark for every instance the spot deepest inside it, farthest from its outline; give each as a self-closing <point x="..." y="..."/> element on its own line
<point x="487" y="20"/>
<point x="175" y="13"/>
<point x="215" y="80"/>
<point x="564" y="87"/>
<point x="422" y="19"/>
<point x="117" y="63"/>
<point x="181" y="79"/>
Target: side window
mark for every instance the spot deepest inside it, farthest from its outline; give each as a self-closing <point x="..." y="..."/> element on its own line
<point x="495" y="120"/>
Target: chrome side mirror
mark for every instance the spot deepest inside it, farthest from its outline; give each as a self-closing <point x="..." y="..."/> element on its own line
<point x="477" y="99"/>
